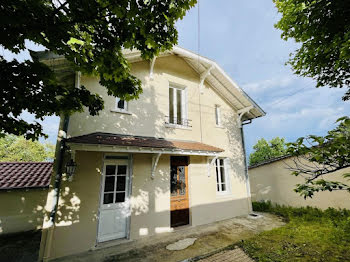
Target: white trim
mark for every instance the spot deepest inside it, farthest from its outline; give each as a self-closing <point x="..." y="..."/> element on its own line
<point x="210" y="164"/>
<point x="218" y="177"/>
<point x="127" y="149"/>
<point x="241" y="114"/>
<point x="174" y="89"/>
<point x="152" y="62"/>
<point x="117" y="109"/>
<point x="169" y="125"/>
<point x="155" y="159"/>
<point x="114" y="205"/>
<point x="121" y="111"/>
<point x="203" y="76"/>
<point x="77" y="79"/>
<point x="218" y="116"/>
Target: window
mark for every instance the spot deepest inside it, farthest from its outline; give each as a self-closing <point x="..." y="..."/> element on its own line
<point x="177" y="108"/>
<point x="217" y="115"/>
<point x="121" y="105"/>
<point x="115" y="184"/>
<point x="222" y="183"/>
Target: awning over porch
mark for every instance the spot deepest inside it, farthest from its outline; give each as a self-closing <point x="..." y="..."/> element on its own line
<point x="142" y="144"/>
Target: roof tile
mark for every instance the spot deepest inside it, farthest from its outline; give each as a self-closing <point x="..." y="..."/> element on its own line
<point x="141" y="141"/>
<point x="16" y="175"/>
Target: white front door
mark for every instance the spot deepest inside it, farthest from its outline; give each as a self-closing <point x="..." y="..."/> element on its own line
<point x="114" y="206"/>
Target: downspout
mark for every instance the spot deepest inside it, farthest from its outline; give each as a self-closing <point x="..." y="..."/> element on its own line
<point x="58" y="180"/>
<point x="56" y="189"/>
<point x="240" y="125"/>
<point x="250" y="209"/>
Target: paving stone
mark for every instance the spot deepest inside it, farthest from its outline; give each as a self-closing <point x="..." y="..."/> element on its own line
<point x="235" y="255"/>
<point x="181" y="244"/>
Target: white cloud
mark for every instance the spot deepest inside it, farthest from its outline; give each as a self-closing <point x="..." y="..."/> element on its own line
<point x="268" y="84"/>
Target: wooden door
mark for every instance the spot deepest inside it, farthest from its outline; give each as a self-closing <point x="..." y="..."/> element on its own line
<point x="179" y="204"/>
<point x="114" y="206"/>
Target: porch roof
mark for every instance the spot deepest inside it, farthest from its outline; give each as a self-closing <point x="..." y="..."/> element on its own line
<point x="142" y="142"/>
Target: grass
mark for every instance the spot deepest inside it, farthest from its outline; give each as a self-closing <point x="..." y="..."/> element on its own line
<point x="309" y="235"/>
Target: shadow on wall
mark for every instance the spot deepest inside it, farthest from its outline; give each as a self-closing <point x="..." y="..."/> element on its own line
<point x="77" y="216"/>
<point x="77" y="223"/>
<point x="234" y="135"/>
<point x="140" y="119"/>
<point x="22" y="210"/>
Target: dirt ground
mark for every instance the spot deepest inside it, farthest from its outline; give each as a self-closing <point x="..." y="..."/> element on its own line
<point x="20" y="247"/>
<point x="24" y="247"/>
<point x="210" y="238"/>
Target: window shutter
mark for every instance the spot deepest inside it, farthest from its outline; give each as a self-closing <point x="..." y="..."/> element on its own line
<point x="228" y="173"/>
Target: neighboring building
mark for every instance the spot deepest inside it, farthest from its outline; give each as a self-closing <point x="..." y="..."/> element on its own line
<point x="173" y="157"/>
<point x="272" y="181"/>
<point x="23" y="193"/>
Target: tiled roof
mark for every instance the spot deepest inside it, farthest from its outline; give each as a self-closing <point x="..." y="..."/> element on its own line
<point x="16" y="175"/>
<point x="141" y="141"/>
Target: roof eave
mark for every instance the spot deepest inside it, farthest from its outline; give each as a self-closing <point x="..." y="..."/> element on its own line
<point x="135" y="149"/>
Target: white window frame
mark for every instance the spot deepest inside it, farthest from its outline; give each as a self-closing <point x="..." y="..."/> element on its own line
<point x="184" y="103"/>
<point x="121" y="110"/>
<point x="218" y="115"/>
<point x="218" y="177"/>
<point x="117" y="99"/>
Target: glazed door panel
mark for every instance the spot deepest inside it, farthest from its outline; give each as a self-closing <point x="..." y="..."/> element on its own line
<point x="179" y="202"/>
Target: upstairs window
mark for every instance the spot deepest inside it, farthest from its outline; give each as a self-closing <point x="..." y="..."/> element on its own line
<point x="222" y="183"/>
<point x="121" y="105"/>
<point x="177" y="106"/>
<point x="217" y="115"/>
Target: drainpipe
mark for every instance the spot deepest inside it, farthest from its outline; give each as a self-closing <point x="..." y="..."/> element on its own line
<point x="246" y="173"/>
<point x="56" y="189"/>
<point x="240" y="125"/>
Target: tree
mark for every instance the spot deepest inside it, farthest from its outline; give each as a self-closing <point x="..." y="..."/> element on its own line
<point x="323" y="29"/>
<point x="90" y="34"/>
<point x="13" y="148"/>
<point x="264" y="150"/>
<point x="317" y="156"/>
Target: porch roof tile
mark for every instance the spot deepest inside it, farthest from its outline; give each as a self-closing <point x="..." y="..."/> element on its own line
<point x="24" y="175"/>
<point x="100" y="138"/>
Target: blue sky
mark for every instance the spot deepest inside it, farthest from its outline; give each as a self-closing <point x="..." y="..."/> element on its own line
<point x="240" y="36"/>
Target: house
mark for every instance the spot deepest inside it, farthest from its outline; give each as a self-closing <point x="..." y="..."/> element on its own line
<point x="23" y="192"/>
<point x="273" y="181"/>
<point x="174" y="157"/>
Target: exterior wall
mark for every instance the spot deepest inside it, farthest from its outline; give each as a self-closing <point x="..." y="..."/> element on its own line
<point x="147" y="114"/>
<point x="150" y="200"/>
<point x="76" y="228"/>
<point x="275" y="183"/>
<point x="206" y="206"/>
<point x="77" y="222"/>
<point x="22" y="210"/>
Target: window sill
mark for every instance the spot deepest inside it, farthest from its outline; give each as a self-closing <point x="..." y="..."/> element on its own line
<point x="219" y="126"/>
<point x="178" y="126"/>
<point x="121" y="111"/>
<point x="227" y="194"/>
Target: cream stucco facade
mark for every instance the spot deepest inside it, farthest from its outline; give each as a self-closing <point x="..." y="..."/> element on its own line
<point x="274" y="182"/>
<point x="21" y="210"/>
<point x="77" y="218"/>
